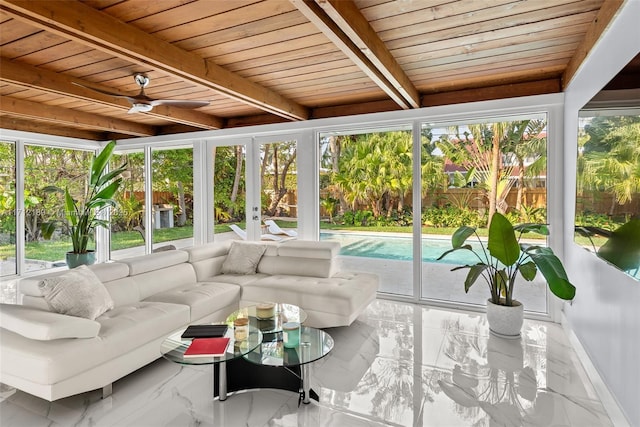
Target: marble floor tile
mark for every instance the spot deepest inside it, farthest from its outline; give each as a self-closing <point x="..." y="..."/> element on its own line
<point x="397" y="365"/>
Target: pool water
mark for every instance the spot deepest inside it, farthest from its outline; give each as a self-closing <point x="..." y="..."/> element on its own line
<point x="399" y="248"/>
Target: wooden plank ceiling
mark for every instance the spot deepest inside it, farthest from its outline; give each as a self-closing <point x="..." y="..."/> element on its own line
<point x="267" y="61"/>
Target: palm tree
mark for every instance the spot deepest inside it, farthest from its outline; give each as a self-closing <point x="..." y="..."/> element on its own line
<point x="615" y="166"/>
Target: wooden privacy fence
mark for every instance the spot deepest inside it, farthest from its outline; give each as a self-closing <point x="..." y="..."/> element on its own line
<point x="475" y="198"/>
<point x="158" y="198"/>
<point x="602" y="202"/>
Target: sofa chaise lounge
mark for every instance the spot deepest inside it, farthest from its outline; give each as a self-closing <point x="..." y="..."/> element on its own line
<point x="53" y="355"/>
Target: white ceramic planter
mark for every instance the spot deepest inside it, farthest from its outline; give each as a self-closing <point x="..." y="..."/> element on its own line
<point x="505" y="322"/>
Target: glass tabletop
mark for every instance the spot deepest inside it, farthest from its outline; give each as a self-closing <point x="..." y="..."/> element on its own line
<point x="173" y="348"/>
<point x="314" y="344"/>
<point x="269" y="317"/>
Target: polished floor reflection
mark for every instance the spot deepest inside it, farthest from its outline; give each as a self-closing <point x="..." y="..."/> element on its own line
<point x="397" y="365"/>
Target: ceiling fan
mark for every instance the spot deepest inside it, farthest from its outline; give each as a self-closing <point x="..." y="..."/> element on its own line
<point x="141" y="103"/>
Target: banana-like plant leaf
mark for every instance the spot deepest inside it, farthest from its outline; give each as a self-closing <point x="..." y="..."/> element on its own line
<point x="70" y="208"/>
<point x="528" y="270"/>
<point x="47" y="229"/>
<point x="551" y="268"/>
<point x="461" y="235"/>
<point x="532" y="228"/>
<point x="465" y="247"/>
<point x="475" y="271"/>
<point x="501" y="280"/>
<point x="623" y="247"/>
<point x="502" y="242"/>
<point x="100" y="162"/>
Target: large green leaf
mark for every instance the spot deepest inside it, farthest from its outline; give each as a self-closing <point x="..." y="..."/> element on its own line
<point x="475" y="271"/>
<point x="551" y="268"/>
<point x="623" y="247"/>
<point x="532" y="228"/>
<point x="107" y="177"/>
<point x="70" y="208"/>
<point x="461" y="235"/>
<point x="106" y="193"/>
<point x="100" y="162"/>
<point x="502" y="240"/>
<point x="528" y="270"/>
<point x="47" y="229"/>
<point x="465" y="247"/>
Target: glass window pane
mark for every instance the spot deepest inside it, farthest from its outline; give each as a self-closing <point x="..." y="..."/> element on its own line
<point x="172" y="197"/>
<point x="229" y="189"/>
<point x="279" y="188"/>
<point x="127" y="230"/>
<point x="607" y="219"/>
<point x="471" y="170"/>
<point x="48" y="172"/>
<point x="366" y="183"/>
<point x="8" y="260"/>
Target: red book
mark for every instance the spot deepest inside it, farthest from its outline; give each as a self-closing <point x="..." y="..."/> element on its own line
<point x="207" y="347"/>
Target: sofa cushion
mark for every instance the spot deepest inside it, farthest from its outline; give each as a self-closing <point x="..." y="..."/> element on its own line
<point x="201" y="297"/>
<point x="164" y="279"/>
<point x="105" y="271"/>
<point x="296" y="266"/>
<point x="122" y="330"/>
<point x="309" y="249"/>
<point x="342" y="294"/>
<point x="151" y="262"/>
<point x="210" y="250"/>
<point x="45" y="325"/>
<point x="243" y="258"/>
<point x="78" y="292"/>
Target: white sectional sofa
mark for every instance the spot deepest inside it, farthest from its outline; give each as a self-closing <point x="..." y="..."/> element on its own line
<point x="54" y="355"/>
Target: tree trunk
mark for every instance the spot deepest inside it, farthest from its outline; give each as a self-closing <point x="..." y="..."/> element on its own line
<point x="335" y="149"/>
<point x="520" y="196"/>
<point x="182" y="219"/>
<point x="493" y="178"/>
<point x="236" y="180"/>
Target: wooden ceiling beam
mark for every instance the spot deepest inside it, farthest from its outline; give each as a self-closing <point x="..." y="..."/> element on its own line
<point x="605" y="15"/>
<point x="64" y="116"/>
<point x="30" y="125"/>
<point x="343" y="24"/>
<point x="350" y="20"/>
<point x="81" y="23"/>
<point x="28" y="76"/>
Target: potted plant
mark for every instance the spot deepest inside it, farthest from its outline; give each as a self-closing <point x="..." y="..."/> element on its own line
<point x="499" y="264"/>
<point x="83" y="215"/>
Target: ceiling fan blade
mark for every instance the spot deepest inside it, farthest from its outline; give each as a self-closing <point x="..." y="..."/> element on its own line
<point x="182" y="103"/>
<point x="95" y="89"/>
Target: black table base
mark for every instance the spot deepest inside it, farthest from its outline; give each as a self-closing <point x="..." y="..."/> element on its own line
<point x="244" y="375"/>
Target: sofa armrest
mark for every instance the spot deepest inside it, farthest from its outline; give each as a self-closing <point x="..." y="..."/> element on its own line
<point x="45" y="325"/>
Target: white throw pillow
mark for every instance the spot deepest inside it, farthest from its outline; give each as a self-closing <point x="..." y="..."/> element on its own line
<point x="243" y="258"/>
<point x="77" y="293"/>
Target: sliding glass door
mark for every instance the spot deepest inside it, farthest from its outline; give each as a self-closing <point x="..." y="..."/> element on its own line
<point x="366" y="180"/>
<point x="470" y="170"/>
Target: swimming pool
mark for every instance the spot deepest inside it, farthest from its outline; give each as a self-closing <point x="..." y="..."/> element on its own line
<point x="398" y="247"/>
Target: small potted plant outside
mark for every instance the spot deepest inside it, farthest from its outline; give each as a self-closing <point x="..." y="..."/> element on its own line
<point x="84" y="215"/>
<point x="499" y="263"/>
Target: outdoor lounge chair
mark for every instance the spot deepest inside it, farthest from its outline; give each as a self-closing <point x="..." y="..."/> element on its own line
<point x="243" y="234"/>
<point x="275" y="229"/>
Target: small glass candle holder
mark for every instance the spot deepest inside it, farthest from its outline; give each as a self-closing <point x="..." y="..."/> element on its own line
<point x="241" y="329"/>
<point x="265" y="310"/>
<point x="291" y="334"/>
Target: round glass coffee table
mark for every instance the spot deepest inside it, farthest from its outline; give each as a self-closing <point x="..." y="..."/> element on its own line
<point x="173" y="348"/>
<point x="314" y="345"/>
<point x="269" y="322"/>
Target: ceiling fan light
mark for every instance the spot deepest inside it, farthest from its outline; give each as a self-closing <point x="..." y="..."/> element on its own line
<point x="144" y="108"/>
